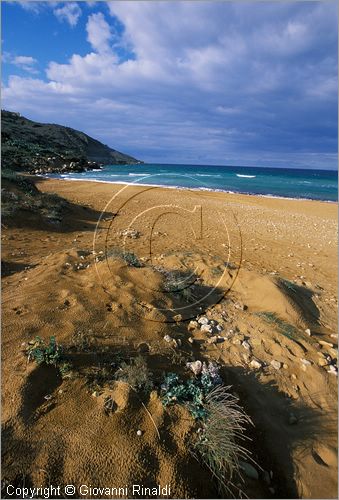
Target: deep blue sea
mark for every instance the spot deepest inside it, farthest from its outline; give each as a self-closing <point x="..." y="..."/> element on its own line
<point x="281" y="182"/>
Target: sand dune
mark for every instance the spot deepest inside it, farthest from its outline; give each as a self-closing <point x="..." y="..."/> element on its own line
<point x="107" y="297"/>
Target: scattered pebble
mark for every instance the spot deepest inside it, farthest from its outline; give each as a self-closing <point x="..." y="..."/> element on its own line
<point x="139" y="432"/>
<point x="305" y="361"/>
<point x="203" y="320"/>
<point x="325" y="344"/>
<point x="192" y="325"/>
<point x="246" y="345"/>
<point x="332" y="370"/>
<point x="190" y="340"/>
<point x="322" y="362"/>
<point x="168" y="338"/>
<point x="249" y="470"/>
<point x="206" y="328"/>
<point x="308" y="332"/>
<point x="195" y="366"/>
<point x="95" y="394"/>
<point x="255" y="364"/>
<point x="130" y="233"/>
<point x="276" y="364"/>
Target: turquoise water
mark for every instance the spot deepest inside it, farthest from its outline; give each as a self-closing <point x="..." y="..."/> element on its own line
<point x="287" y="183"/>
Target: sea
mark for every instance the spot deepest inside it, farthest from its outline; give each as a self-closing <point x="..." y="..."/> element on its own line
<point x="272" y="182"/>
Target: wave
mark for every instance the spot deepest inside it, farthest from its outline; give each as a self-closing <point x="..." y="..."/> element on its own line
<point x="207" y="175"/>
<point x="188" y="188"/>
<point x="132" y="174"/>
<point x="247" y="176"/>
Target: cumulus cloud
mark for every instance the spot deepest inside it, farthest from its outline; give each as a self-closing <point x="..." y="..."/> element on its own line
<point x="25" y="63"/>
<point x="200" y="82"/>
<point x="99" y="32"/>
<point x="70" y="13"/>
<point x="24" y="60"/>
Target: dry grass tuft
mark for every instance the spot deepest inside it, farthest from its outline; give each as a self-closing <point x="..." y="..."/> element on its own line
<point x="219" y="444"/>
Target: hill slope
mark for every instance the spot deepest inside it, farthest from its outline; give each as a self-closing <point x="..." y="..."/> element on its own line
<point x="43" y="147"/>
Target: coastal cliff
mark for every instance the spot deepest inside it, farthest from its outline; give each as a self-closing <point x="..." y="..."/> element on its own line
<point x="45" y="148"/>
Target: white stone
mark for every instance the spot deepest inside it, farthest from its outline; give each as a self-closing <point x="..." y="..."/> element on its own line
<point x="206" y="328"/>
<point x="255" y="364"/>
<point x="276" y="364"/>
<point x="195" y="366"/>
<point x="203" y="320"/>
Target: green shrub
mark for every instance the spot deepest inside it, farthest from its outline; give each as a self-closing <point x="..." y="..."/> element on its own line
<point x="50" y="354"/>
<point x="191" y="393"/>
<point x="284" y="328"/>
<point x="136" y="374"/>
<point x="131" y="259"/>
<point x="222" y="422"/>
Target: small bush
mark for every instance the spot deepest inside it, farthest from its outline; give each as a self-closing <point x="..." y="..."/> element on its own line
<point x="136" y="374"/>
<point x="284" y="328"/>
<point x="222" y="422"/>
<point x="292" y="287"/>
<point x="191" y="393"/>
<point x="131" y="259"/>
<point x="51" y="354"/>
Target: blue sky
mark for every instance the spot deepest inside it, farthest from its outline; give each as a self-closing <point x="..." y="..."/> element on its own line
<point x="193" y="82"/>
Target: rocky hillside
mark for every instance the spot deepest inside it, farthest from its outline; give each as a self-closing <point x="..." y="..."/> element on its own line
<point x="42" y="147"/>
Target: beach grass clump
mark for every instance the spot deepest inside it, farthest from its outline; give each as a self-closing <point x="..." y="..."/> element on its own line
<point x="219" y="444"/>
<point x="131" y="259"/>
<point x="136" y="374"/>
<point x="176" y="282"/>
<point x="222" y="422"/>
<point x="20" y="193"/>
<point x="49" y="354"/>
<point x="289" y="285"/>
<point x="284" y="328"/>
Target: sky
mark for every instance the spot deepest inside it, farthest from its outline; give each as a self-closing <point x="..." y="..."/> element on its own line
<point x="223" y="83"/>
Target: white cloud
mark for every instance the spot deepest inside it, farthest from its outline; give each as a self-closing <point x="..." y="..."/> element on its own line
<point x="26" y="63"/>
<point x="99" y="32"/>
<point x="206" y="80"/>
<point x="24" y="60"/>
<point x="36" y="6"/>
<point x="70" y="13"/>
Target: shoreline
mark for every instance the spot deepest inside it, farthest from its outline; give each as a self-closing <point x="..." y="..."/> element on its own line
<point x="186" y="188"/>
<point x="72" y="280"/>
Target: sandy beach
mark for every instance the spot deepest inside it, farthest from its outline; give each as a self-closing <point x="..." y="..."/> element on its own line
<point x="130" y="265"/>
